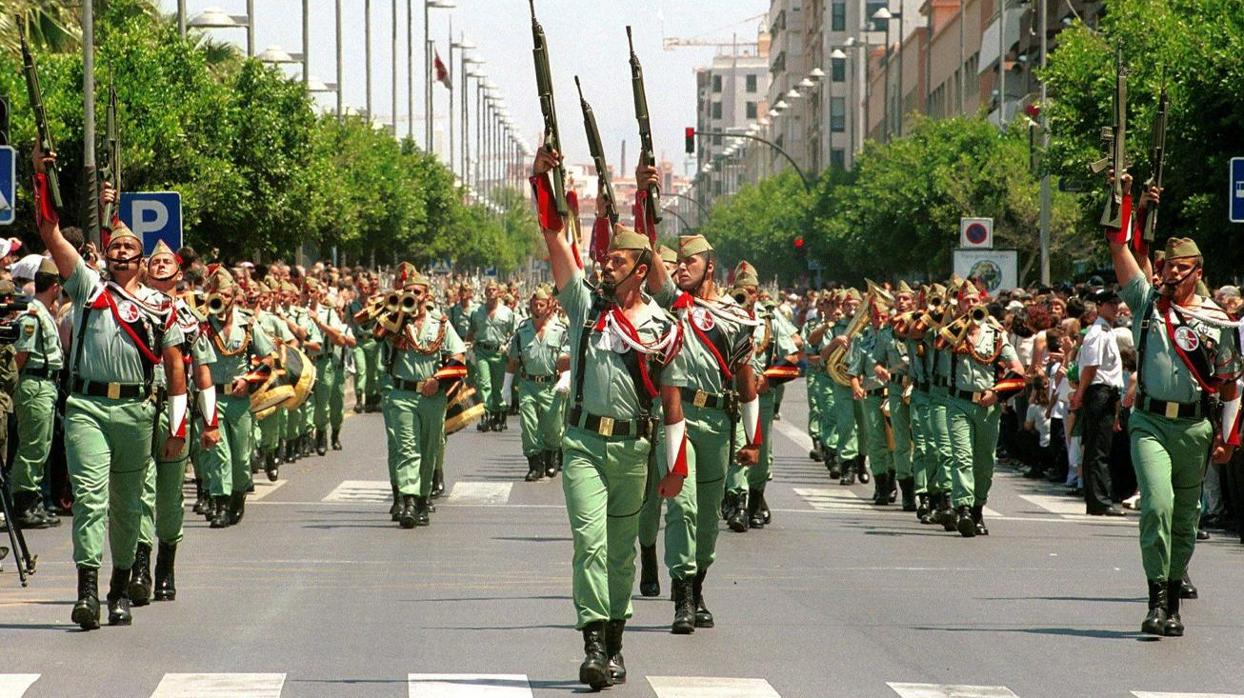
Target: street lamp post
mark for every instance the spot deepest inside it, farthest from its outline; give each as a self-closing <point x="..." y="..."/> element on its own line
<point x="340" y="103"/>
<point x="885" y="15"/>
<point x="367" y="52"/>
<point x="428" y="5"/>
<point x="393" y="71"/>
<point x="1045" y="144"/>
<point x="213" y="18"/>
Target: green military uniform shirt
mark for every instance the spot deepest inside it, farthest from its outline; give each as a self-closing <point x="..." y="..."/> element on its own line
<point x="492" y="331"/>
<point x="407" y="364"/>
<point x="274" y="326"/>
<point x="38" y="338"/>
<point x="769" y="339"/>
<point x="863" y="356"/>
<point x="538" y="355"/>
<point x="328" y="315"/>
<point x="230" y="365"/>
<point x="972" y="375"/>
<point x="892" y="353"/>
<point x="198" y="347"/>
<point x="695" y="366"/>
<point x="460" y="317"/>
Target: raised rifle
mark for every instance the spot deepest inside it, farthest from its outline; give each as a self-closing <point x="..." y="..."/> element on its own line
<point x="598" y="155"/>
<point x="41" y="117"/>
<point x="1157" y="163"/>
<point x="110" y="171"/>
<point x="1114" y="137"/>
<point x="646" y="154"/>
<point x="544" y="87"/>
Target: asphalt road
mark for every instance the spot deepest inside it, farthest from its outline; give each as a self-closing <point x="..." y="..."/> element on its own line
<point x="316" y="593"/>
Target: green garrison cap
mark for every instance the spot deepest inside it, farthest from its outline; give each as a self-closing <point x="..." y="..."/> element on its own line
<point x="541" y="293"/>
<point x="221" y="280"/>
<point x="162" y="249"/>
<point x="47" y="266"/>
<point x="121" y="230"/>
<point x="627" y="239"/>
<point x="745" y="275"/>
<point x="1181" y="247"/>
<point x="689" y="245"/>
<point x="852" y="294"/>
<point x="7" y="288"/>
<point x="904" y="289"/>
<point x="937" y="290"/>
<point x="668" y="255"/>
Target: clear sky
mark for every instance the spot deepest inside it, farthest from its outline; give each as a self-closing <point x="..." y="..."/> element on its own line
<point x="586" y="37"/>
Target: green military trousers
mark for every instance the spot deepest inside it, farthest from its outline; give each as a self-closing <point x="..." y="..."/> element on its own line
<point x="163" y="512"/>
<point x="366" y="357"/>
<point x="414" y="427"/>
<point x="739" y="478"/>
<point x="1170" y="457"/>
<point x="691" y="517"/>
<point x="941" y="453"/>
<point x="814" y="406"/>
<point x="539" y="410"/>
<point x="108" y="451"/>
<point x="35" y="404"/>
<point x="872" y="432"/>
<point x="828" y="413"/>
<point x="973" y="441"/>
<point x="228" y="464"/>
<point x="270" y="431"/>
<point x="489" y="373"/>
<point x="844" y="420"/>
<point x="329" y="393"/>
<point x="921" y="439"/>
<point x="604" y="480"/>
<point x="901" y="423"/>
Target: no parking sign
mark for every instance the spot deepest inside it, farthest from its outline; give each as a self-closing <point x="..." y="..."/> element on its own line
<point x="976" y="233"/>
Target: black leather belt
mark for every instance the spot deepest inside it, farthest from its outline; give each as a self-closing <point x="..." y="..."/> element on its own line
<point x="922" y="386"/>
<point x="1171" y="410"/>
<point x="939" y="382"/>
<point x="610" y="427"/>
<point x="538" y="379"/>
<point x="40" y="372"/>
<point x="112" y="391"/>
<point x="968" y="394"/>
<point x="875" y="392"/>
<point x="712" y="401"/>
<point x="412" y="386"/>
<point x="487" y="346"/>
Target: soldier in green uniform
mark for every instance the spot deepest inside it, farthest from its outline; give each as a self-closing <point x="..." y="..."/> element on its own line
<point x="163" y="513"/>
<point x="535" y="351"/>
<point x="919" y="368"/>
<point x="123" y="333"/>
<point x="39" y="362"/>
<point x="1187" y="351"/>
<point x="894" y="365"/>
<point x="414" y="399"/>
<point x="868" y="388"/>
<point x="366" y="377"/>
<point x="492" y="324"/>
<point x="816" y="336"/>
<point x="239" y="341"/>
<point x="271" y="426"/>
<point x="460" y="312"/>
<point x="330" y="369"/>
<point x="973" y="410"/>
<point x="941" y="451"/>
<point x="846" y="409"/>
<point x="714" y="375"/>
<point x="301" y="420"/>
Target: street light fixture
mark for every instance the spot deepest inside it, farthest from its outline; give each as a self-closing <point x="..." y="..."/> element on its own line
<point x="816" y="74"/>
<point x="772" y="113"/>
<point x="793" y="94"/>
<point x="429" y="5"/>
<point x="807" y="82"/>
<point x="781" y="106"/>
<point x="277" y="55"/>
<point x="216" y="18"/>
<point x="885" y="15"/>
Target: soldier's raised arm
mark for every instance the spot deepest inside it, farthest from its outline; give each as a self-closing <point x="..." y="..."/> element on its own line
<point x="63" y="253"/>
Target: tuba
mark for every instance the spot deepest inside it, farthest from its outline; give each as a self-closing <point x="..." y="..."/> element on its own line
<point x="836" y="362"/>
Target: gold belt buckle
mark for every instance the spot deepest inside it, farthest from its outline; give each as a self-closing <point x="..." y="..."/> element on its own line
<point x="606" y="426"/>
<point x="976" y="397"/>
<point x="1172" y="410"/>
<point x="701" y="398"/>
<point x="114" y="391"/>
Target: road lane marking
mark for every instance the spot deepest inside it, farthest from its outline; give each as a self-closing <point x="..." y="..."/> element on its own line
<point x="1167" y="694"/>
<point x="933" y="690"/>
<point x="834" y="499"/>
<point x="263" y="489"/>
<point x="795" y="434"/>
<point x="16" y="685"/>
<point x="220" y="686"/>
<point x="361" y="491"/>
<point x="1055" y="504"/>
<point x="710" y="687"/>
<point x="465" y="492"/>
<point x="468" y="686"/>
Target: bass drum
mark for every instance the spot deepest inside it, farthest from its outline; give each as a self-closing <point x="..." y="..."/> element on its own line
<point x="299" y="375"/>
<point x="462" y="409"/>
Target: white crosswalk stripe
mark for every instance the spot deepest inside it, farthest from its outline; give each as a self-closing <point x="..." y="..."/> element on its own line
<point x="1167" y="694"/>
<point x="934" y="690"/>
<point x="469" y="686"/>
<point x="795" y="434"/>
<point x="16" y="685"/>
<point x="220" y="686"/>
<point x="480" y="492"/>
<point x="263" y="488"/>
<point x="710" y="687"/>
<point x="833" y="499"/>
<point x="361" y="491"/>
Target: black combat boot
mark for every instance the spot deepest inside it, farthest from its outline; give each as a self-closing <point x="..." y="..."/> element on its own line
<point x="922" y="509"/>
<point x="861" y="470"/>
<point x="49" y="515"/>
<point x="551" y="459"/>
<point x="119" y="598"/>
<point x="978" y="517"/>
<point x="484" y="424"/>
<point x="27" y="513"/>
<point x="831" y="464"/>
<point x="848" y="470"/>
<point x="535" y="468"/>
<point x="438" y="484"/>
<point x="220" y="511"/>
<point x="422" y="513"/>
<point x="336" y="440"/>
<point x="407" y="516"/>
<point x="594" y="671"/>
<point x="613" y="648"/>
<point x="308" y="445"/>
<point x="649" y="575"/>
<point x="200" y="497"/>
<point x="140" y="576"/>
<point x="557" y="461"/>
<point x="86" y="610"/>
<point x="907" y="485"/>
<point x="946" y="514"/>
<point x="1174" y="627"/>
<point x="881" y="489"/>
<point x="755" y="519"/>
<point x="729" y="502"/>
<point x="964" y="522"/>
<point x="764" y="509"/>
<point x="237" y="507"/>
<point x="684" y="607"/>
<point x="395" y="511"/>
<point x="738" y="519"/>
<point x="815" y="453"/>
<point x="1186" y="589"/>
<point x="165" y="587"/>
<point x="270" y="466"/>
<point x="703" y="616"/>
<point x="1155" y="622"/>
<point x="321" y="442"/>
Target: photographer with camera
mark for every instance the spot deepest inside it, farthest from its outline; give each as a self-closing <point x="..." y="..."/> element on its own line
<point x="39" y="360"/>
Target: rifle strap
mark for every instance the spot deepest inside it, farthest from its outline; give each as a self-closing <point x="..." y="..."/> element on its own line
<point x="546" y="208"/>
<point x="45" y="210"/>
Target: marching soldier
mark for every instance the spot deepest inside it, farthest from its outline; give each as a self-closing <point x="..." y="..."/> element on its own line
<point x="894" y="365"/>
<point x="868" y="388"/>
<point x="39" y="362"/>
<point x="366" y="350"/>
<point x="941" y="460"/>
<point x="300" y="420"/>
<point x="818" y="332"/>
<point x="536" y="352"/>
<point x="920" y="369"/>
<point x="123" y="334"/>
<point x="1186" y="353"/>
<point x="491" y="326"/>
<point x="271" y="427"/>
<point x="846" y="409"/>
<point x="461" y="311"/>
<point x="330" y="369"/>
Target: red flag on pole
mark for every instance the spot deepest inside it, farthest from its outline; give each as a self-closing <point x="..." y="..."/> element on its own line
<point x="442" y="73"/>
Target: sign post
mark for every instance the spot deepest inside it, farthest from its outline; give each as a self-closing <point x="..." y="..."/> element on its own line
<point x="1236" y="195"/>
<point x="8" y="185"/>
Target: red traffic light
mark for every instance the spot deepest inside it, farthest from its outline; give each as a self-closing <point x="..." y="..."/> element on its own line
<point x="799" y="243"/>
<point x="690" y="134"/>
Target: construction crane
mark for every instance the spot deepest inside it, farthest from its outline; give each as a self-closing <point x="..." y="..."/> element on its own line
<point x="670" y="43"/>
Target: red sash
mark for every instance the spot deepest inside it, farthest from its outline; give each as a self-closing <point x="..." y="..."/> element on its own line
<point x="631" y="332"/>
<point x="686" y="302"/>
<point x="105" y="300"/>
<point x="1195" y="359"/>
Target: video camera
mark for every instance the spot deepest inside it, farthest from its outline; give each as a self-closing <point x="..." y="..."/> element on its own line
<point x="10" y="309"/>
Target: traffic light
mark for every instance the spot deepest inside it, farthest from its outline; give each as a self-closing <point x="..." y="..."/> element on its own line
<point x="799" y="243"/>
<point x="690" y="133"/>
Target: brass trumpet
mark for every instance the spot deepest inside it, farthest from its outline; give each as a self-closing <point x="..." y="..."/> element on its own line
<point x="215" y="304"/>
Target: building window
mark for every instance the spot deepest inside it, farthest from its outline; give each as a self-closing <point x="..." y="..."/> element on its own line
<point x="751" y="110"/>
<point x="716" y="113"/>
<point x="717" y="140"/>
<point x="838" y="16"/>
<point x="838" y="114"/>
<point x="716" y="83"/>
<point x="838" y="158"/>
<point x="838" y="69"/>
<point x="751" y="84"/>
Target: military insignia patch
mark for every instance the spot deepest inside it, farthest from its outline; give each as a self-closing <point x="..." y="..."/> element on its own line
<point x="128" y="311"/>
<point x="1187" y="338"/>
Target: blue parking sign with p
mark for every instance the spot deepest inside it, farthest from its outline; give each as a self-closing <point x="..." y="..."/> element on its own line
<point x="1237" y="190"/>
<point x="8" y="185"/>
<point x="153" y="216"/>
